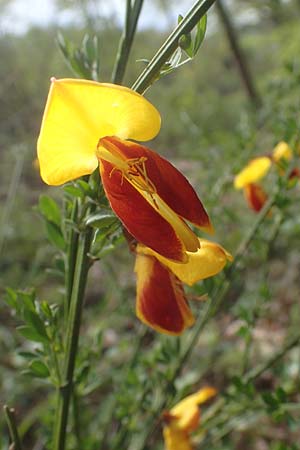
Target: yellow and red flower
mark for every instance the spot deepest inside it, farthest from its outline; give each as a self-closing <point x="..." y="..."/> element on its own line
<point x="151" y="197"/>
<point x="255" y="196"/>
<point x="183" y="419"/>
<point x="161" y="301"/>
<point x="88" y="124"/>
<point x="257" y="169"/>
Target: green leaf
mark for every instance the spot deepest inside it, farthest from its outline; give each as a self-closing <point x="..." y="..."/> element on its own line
<point x="101" y="219"/>
<point x="26" y="299"/>
<point x="83" y="374"/>
<point x="185" y="42"/>
<point x="49" y="209"/>
<point x="39" y="369"/>
<point x="59" y="264"/>
<point x="35" y="322"/>
<point x="27" y="355"/>
<point x="200" y="33"/>
<point x="55" y="235"/>
<point x="175" y="58"/>
<point x="64" y="45"/>
<point x="10" y="298"/>
<point x="281" y="395"/>
<point x="270" y="400"/>
<point x="179" y="19"/>
<point x="30" y="334"/>
<point x="90" y="47"/>
<point x="85" y="187"/>
<point x="72" y="190"/>
<point x="244" y="332"/>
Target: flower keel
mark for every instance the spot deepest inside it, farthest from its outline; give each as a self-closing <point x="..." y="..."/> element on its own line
<point x="161" y="302"/>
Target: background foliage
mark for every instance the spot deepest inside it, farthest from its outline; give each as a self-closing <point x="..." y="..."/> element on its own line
<point x="249" y="351"/>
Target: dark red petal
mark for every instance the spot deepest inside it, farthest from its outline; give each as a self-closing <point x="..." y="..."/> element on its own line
<point x="138" y="216"/>
<point x="295" y="173"/>
<point x="255" y="196"/>
<point x="170" y="184"/>
<point x="161" y="302"/>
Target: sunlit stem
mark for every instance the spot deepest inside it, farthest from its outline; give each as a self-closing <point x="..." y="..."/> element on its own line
<point x="131" y="20"/>
<point x="148" y="76"/>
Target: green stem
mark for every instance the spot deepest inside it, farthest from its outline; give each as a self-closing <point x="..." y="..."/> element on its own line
<point x="71" y="258"/>
<point x="148" y="76"/>
<point x="76" y="415"/>
<point x="131" y="20"/>
<point x="238" y="53"/>
<point x="72" y="336"/>
<point x="13" y="430"/>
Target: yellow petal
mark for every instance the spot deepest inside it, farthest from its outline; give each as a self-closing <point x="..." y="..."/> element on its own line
<point x="282" y="150"/>
<point x="176" y="439"/>
<point x="254" y="171"/>
<point x="187" y="411"/>
<point x="78" y="113"/>
<point x="206" y="262"/>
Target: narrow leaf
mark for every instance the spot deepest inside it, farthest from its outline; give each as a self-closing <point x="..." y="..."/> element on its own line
<point x="200" y="33"/>
<point x="55" y="235"/>
<point x="101" y="219"/>
<point x="49" y="209"/>
<point x="39" y="369"/>
<point x="30" y="334"/>
<point x="34" y="321"/>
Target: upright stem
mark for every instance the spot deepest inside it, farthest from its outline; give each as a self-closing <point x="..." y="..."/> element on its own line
<point x="193" y="16"/>
<point x="71" y="258"/>
<point x="238" y="54"/>
<point x="131" y="20"/>
<point x="72" y="336"/>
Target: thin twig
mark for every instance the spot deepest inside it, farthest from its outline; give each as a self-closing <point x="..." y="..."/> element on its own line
<point x="125" y="44"/>
<point x="13" y="429"/>
<point x="197" y="11"/>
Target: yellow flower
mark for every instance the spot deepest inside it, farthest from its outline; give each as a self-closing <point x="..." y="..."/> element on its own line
<point x="86" y="124"/>
<point x="184" y="418"/>
<point x="282" y="151"/>
<point x="255" y="170"/>
<point x="78" y="114"/>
